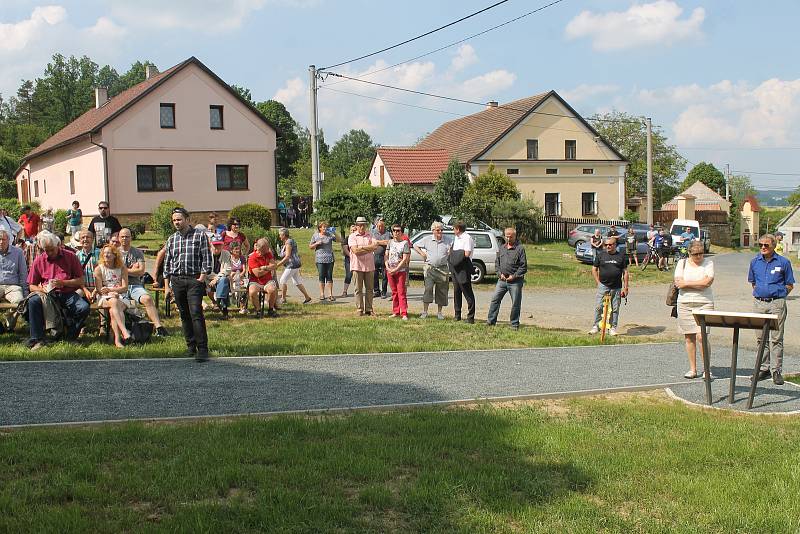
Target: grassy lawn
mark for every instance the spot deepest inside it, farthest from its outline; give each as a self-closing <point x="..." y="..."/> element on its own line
<point x="311" y="329"/>
<point x="626" y="463"/>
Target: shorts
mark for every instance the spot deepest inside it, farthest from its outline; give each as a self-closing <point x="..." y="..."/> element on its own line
<point x="325" y="272"/>
<point x="136" y="292"/>
<point x="293" y="275"/>
<point x="437" y="286"/>
<point x="270" y="284"/>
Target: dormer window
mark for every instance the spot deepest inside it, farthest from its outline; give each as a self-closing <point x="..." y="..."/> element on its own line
<point x="167" y="115"/>
<point x="570" y="149"/>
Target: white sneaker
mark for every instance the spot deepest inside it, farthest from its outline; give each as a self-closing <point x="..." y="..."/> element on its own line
<point x="405" y="317"/>
<point x="440" y="316"/>
<point x="612" y="331"/>
<point x="393" y="315"/>
<point x="594" y="330"/>
<point x="423" y="315"/>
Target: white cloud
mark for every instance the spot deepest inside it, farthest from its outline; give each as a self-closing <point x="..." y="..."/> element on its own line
<point x="486" y="86"/>
<point x="291" y="92"/>
<point x="738" y="114"/>
<point x="465" y="56"/>
<point x="656" y="23"/>
<point x="586" y="91"/>
<point x="105" y="28"/>
<point x="16" y="36"/>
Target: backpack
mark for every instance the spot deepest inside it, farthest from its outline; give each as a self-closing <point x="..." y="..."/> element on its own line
<point x="140" y="328"/>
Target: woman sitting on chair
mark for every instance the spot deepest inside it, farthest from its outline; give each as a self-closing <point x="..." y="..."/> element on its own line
<point x="111" y="282"/>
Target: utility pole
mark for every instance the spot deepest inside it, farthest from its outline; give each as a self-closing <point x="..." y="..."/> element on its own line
<point x="315" y="182"/>
<point x="649" y="125"/>
<point x="727" y="181"/>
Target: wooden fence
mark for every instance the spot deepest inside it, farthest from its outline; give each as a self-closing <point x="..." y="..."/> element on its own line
<point x="558" y="228"/>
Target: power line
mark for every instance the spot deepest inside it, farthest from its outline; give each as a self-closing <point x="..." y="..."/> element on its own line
<point x="769" y="173"/>
<point x="738" y="148"/>
<point x="419" y="36"/>
<point x="515" y="19"/>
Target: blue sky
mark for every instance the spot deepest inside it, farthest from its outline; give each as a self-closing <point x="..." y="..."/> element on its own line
<point x="719" y="76"/>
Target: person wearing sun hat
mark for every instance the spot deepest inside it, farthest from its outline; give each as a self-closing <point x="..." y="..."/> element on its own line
<point x="362" y="265"/>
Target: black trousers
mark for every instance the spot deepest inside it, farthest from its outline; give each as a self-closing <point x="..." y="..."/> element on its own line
<point x="381" y="280"/>
<point x="188" y="292"/>
<point x="462" y="285"/>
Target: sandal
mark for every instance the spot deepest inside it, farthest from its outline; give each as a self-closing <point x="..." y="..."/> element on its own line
<point x="307" y="300"/>
<point x="332" y="298"/>
<point x="690" y="375"/>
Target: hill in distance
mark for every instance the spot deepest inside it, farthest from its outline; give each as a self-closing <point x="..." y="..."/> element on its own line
<point x="773" y="197"/>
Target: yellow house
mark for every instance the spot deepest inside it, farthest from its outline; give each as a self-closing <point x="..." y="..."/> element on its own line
<point x="553" y="155"/>
<point x="748" y="233"/>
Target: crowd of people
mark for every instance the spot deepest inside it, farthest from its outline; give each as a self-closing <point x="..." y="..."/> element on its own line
<point x="43" y="275"/>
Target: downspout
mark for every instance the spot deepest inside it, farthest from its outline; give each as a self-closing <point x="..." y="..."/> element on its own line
<point x="105" y="167"/>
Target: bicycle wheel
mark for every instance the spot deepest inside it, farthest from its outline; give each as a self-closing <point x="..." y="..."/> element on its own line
<point x="646" y="260"/>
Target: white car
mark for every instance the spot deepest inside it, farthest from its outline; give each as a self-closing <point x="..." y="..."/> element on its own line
<point x="487" y="244"/>
<point x="678" y="226"/>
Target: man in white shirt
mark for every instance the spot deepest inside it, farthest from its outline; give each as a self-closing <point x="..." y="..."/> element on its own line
<point x="461" y="268"/>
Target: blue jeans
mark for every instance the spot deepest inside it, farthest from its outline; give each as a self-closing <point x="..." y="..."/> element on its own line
<point x="222" y="291"/>
<point x="325" y="271"/>
<point x="515" y="290"/>
<point x="615" y="302"/>
<point x="76" y="311"/>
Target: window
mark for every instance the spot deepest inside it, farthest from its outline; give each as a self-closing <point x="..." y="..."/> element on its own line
<point x="231" y="177"/>
<point x="551" y="171"/>
<point x="795" y="238"/>
<point x="36" y="188"/>
<point x="154" y="178"/>
<point x="215" y="117"/>
<point x="551" y="204"/>
<point x="533" y="148"/>
<point x="588" y="171"/>
<point x="482" y="241"/>
<point x="588" y="204"/>
<point x="512" y="171"/>
<point x="71" y="182"/>
<point x="570" y="149"/>
<point x="167" y="115"/>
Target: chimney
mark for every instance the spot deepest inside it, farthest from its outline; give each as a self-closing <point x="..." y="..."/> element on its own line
<point x="150" y="71"/>
<point x="491" y="104"/>
<point x="100" y="96"/>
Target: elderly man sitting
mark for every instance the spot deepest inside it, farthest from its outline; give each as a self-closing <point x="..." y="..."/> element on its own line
<point x="13" y="277"/>
<point x="261" y="265"/>
<point x="219" y="283"/>
<point x="57" y="273"/>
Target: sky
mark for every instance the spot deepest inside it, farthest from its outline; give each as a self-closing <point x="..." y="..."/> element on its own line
<point x="720" y="77"/>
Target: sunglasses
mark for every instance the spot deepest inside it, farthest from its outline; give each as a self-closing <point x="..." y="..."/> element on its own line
<point x="609" y="244"/>
<point x="396" y="230"/>
<point x="764" y="245"/>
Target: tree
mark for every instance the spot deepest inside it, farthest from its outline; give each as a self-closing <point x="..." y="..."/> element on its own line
<point x="134" y="75"/>
<point x="708" y="174"/>
<point x="340" y="208"/>
<point x="408" y="206"/>
<point x="450" y="187"/>
<point x="794" y="198"/>
<point x="630" y="138"/>
<point x="24" y="108"/>
<point x="351" y="149"/>
<point x="109" y="78"/>
<point x="288" y="148"/>
<point x="740" y="186"/>
<point x="67" y="89"/>
<point x="522" y="214"/>
<point x="482" y="194"/>
<point x="244" y="92"/>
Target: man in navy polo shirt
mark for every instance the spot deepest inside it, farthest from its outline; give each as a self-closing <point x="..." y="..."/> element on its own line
<point x="772" y="280"/>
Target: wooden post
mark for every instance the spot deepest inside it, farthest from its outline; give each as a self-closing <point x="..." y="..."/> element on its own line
<point x="759" y="357"/>
<point x="734" y="356"/>
<point x="706" y="360"/>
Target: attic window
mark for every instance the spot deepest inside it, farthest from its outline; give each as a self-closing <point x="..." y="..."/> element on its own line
<point x="551" y="171"/>
<point x="588" y="171"/>
<point x="167" y="115"/>
<point x="512" y="171"/>
<point x="216" y="117"/>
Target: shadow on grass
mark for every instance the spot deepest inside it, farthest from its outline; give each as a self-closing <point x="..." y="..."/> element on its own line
<point x="645" y="330"/>
<point x="441" y="470"/>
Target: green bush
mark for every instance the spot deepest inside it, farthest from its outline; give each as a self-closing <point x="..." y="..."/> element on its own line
<point x="254" y="233"/>
<point x="8" y="188"/>
<point x="137" y="228"/>
<point x="252" y="214"/>
<point x="60" y="221"/>
<point x="410" y="207"/>
<point x="12" y="206"/>
<point x="161" y="218"/>
<point x="631" y="216"/>
<point x="521" y="214"/>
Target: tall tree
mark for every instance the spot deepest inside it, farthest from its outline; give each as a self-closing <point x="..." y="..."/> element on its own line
<point x="351" y="151"/>
<point x="627" y="133"/>
<point x="134" y="75"/>
<point x="244" y="92"/>
<point x="739" y="187"/>
<point x="67" y="88"/>
<point x="450" y="187"/>
<point x="109" y="78"/>
<point x="708" y="174"/>
<point x="24" y="108"/>
<point x="288" y="149"/>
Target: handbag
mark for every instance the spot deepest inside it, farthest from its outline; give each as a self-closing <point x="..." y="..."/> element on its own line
<point x="672" y="292"/>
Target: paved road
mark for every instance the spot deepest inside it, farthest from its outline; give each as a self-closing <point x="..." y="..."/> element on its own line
<point x="83" y="391"/>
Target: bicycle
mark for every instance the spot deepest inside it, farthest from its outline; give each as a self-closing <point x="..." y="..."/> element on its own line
<point x="650" y="257"/>
<point x="681" y="253"/>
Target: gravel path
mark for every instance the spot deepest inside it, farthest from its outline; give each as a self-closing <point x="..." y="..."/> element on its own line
<point x="84" y="391"/>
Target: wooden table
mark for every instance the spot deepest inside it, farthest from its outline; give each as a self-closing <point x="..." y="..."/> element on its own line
<point x="736" y="320"/>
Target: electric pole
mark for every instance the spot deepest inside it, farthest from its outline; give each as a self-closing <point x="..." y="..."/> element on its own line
<point x="727" y="181"/>
<point x="312" y="85"/>
<point x="649" y="125"/>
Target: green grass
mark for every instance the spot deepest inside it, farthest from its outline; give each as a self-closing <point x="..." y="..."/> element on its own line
<point x="622" y="464"/>
<point x="311" y="329"/>
<point x="149" y="240"/>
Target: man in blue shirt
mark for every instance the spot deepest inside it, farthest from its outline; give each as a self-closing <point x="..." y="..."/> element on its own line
<point x="772" y="280"/>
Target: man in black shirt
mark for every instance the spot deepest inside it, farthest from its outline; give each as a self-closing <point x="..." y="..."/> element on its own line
<point x="103" y="226"/>
<point x="610" y="271"/>
<point x="612" y="232"/>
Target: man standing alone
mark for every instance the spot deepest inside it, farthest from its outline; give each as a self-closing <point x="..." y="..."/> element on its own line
<point x="511" y="266"/>
<point x="461" y="268"/>
<point x="105" y="225"/>
<point x="772" y="279"/>
<point x="610" y="271"/>
<point x="362" y="265"/>
<point x="186" y="265"/>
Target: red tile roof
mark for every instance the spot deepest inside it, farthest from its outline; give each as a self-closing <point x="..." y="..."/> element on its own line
<point x="754" y="205"/>
<point x="411" y="165"/>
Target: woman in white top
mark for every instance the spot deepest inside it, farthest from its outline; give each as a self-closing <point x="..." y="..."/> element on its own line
<point x="693" y="277"/>
<point x="111" y="281"/>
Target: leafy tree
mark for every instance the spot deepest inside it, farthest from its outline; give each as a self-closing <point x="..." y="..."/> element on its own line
<point x="408" y="206"/>
<point x="161" y="218"/>
<point x="521" y="214"/>
<point x="352" y="148"/>
<point x="740" y="186"/>
<point x="631" y="216"/>
<point x="450" y="187"/>
<point x="24" y="107"/>
<point x="288" y="149"/>
<point x="708" y="174"/>
<point x="482" y="194"/>
<point x="66" y="89"/>
<point x="134" y="75"/>
<point x="109" y="78"/>
<point x="630" y="139"/>
<point x="794" y="198"/>
<point x="371" y="198"/>
<point x="244" y="92"/>
<point x="340" y="208"/>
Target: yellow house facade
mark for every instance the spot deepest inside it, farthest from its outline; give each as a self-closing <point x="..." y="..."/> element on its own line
<point x="553" y="155"/>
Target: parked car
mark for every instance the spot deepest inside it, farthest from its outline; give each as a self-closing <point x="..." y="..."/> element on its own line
<point x="448" y="220"/>
<point x="487" y="244"/>
<point x="581" y="234"/>
<point x="584" y="254"/>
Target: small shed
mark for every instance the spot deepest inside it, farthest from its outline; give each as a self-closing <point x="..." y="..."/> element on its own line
<point x="748" y="232"/>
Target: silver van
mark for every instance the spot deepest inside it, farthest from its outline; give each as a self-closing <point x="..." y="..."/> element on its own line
<point x="487" y="244"/>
